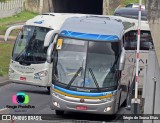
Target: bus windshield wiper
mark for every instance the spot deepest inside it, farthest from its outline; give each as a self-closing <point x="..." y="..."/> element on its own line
<point x="94" y="78"/>
<point x="20" y="54"/>
<point x="74" y="77"/>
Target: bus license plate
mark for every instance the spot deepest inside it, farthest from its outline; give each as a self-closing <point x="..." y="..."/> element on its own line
<point x="81" y="107"/>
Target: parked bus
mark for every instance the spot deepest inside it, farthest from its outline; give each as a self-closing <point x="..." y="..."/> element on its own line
<point x="130" y="44"/>
<point x="88" y="59"/>
<point x="28" y="63"/>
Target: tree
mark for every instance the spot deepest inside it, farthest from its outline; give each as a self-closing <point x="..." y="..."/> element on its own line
<point x="3" y="0"/>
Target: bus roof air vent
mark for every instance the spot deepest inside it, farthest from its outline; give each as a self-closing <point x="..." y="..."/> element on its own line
<point x="48" y="14"/>
<point x="89" y="20"/>
<point x="100" y="17"/>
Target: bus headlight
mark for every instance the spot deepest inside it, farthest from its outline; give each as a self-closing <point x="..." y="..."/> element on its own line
<point x="42" y="73"/>
<point x="107" y="109"/>
<point x="56" y="104"/>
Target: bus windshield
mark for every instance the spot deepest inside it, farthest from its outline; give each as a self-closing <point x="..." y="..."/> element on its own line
<point x="88" y="64"/>
<point x="146" y="41"/>
<point x="29" y="45"/>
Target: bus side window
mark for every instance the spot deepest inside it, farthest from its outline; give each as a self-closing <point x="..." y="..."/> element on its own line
<point x="129" y="43"/>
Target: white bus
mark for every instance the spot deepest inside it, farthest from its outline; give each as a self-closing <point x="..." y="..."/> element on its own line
<point x="28" y="63"/>
<point x="88" y="61"/>
<point x="130" y="44"/>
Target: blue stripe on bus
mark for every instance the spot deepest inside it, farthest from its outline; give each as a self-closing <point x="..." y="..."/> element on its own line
<point x="82" y="93"/>
<point x="96" y="37"/>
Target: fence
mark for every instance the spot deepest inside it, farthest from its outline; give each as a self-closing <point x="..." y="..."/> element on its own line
<point x="39" y="6"/>
<point x="11" y="7"/>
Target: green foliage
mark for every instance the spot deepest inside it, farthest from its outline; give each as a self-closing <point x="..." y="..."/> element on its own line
<point x="132" y="1"/>
<point x="6" y="47"/>
<point x="5" y="50"/>
<point x="3" y="0"/>
<point x="21" y="17"/>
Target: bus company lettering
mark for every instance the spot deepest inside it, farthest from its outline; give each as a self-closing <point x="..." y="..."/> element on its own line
<point x="111" y="93"/>
<point x="134" y="60"/>
<point x="107" y="93"/>
<point x="25" y="68"/>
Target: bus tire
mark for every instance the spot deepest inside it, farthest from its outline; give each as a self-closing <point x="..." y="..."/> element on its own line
<point x="58" y="112"/>
<point x="124" y="104"/>
<point x="119" y="105"/>
<point x="127" y="98"/>
<point x="48" y="88"/>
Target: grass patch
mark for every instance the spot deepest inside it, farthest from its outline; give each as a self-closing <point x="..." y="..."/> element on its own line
<point x="6" y="47"/>
<point x="23" y="16"/>
<point x="5" y="55"/>
<point x="132" y="1"/>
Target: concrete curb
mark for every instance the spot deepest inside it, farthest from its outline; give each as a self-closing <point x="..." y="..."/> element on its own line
<point x="4" y="82"/>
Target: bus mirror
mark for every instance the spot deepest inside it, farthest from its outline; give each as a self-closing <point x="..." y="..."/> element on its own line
<point x="122" y="60"/>
<point x="49" y="53"/>
<point x="9" y="30"/>
<point x="50" y="49"/>
<point x="49" y="37"/>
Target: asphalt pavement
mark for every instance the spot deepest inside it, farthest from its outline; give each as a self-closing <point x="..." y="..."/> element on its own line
<point x="39" y="100"/>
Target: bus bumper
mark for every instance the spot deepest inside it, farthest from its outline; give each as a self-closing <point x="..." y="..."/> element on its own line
<point x="34" y="82"/>
<point x="107" y="107"/>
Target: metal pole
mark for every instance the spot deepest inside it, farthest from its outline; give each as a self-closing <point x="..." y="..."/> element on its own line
<point x="138" y="48"/>
<point x="154" y="95"/>
<point x="135" y="107"/>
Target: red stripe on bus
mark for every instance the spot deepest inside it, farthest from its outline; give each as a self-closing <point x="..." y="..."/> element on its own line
<point x="137" y="55"/>
<point x="140" y="7"/>
<point x="139" y="31"/>
<point x="136" y="78"/>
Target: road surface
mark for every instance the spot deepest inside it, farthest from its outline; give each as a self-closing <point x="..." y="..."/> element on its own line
<point x="40" y="99"/>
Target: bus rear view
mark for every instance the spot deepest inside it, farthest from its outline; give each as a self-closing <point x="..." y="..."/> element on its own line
<point x="88" y="60"/>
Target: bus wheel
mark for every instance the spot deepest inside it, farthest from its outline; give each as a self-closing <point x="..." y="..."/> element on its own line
<point x="124" y="104"/>
<point x="48" y="88"/>
<point x="58" y="112"/>
<point x="119" y="105"/>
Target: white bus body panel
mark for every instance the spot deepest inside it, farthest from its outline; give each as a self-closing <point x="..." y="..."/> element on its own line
<point x="26" y="74"/>
<point x="127" y="75"/>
